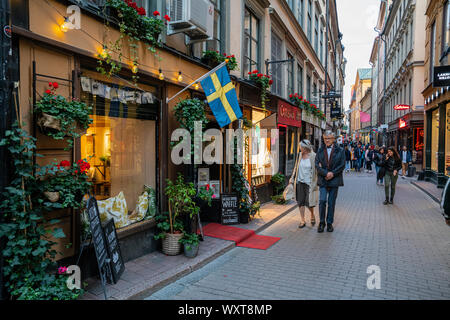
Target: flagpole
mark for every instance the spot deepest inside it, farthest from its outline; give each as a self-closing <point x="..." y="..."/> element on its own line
<point x="195" y="81"/>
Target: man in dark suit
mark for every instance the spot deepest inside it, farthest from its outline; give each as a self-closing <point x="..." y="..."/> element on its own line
<point x="330" y="163"/>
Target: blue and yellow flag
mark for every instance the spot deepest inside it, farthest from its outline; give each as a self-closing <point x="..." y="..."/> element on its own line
<point x="221" y="95"/>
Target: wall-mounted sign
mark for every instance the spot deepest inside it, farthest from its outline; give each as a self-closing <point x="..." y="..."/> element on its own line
<point x="402" y="123"/>
<point x="441" y="76"/>
<point x="402" y="107"/>
<point x="289" y="115"/>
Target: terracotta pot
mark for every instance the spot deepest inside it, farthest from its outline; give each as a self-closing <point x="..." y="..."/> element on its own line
<point x="171" y="245"/>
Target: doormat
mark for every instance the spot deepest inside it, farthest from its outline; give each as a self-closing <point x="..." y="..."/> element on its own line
<point x="242" y="237"/>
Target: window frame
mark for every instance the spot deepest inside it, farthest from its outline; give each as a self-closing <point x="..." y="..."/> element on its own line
<point x="257" y="40"/>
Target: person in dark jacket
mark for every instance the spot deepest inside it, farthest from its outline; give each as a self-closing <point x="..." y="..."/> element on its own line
<point x="330" y="164"/>
<point x="378" y="160"/>
<point x="348" y="159"/>
<point x="392" y="165"/>
<point x="358" y="155"/>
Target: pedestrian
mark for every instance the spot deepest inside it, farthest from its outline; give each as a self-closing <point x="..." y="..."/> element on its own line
<point x="369" y="159"/>
<point x="304" y="179"/>
<point x="378" y="160"/>
<point x="392" y="165"/>
<point x="358" y="152"/>
<point x="330" y="163"/>
<point x="406" y="160"/>
<point x="348" y="159"/>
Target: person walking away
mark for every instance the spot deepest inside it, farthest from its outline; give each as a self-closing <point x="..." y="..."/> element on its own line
<point x="348" y="159"/>
<point x="406" y="159"/>
<point x="330" y="164"/>
<point x="353" y="157"/>
<point x="378" y="160"/>
<point x="369" y="159"/>
<point x="304" y="179"/>
<point x="358" y="156"/>
<point x="392" y="165"/>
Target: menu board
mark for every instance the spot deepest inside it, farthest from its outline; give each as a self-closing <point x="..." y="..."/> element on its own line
<point x="112" y="245"/>
<point x="230" y="209"/>
<point x="98" y="237"/>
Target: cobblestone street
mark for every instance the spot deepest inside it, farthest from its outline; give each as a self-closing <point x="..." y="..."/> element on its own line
<point x="409" y="241"/>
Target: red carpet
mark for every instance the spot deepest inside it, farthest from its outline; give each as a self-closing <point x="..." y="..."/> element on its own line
<point x="242" y="237"/>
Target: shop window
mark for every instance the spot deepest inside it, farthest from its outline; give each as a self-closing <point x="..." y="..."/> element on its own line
<point x="120" y="144"/>
<point x="260" y="150"/>
<point x="447" y="142"/>
<point x="434" y="139"/>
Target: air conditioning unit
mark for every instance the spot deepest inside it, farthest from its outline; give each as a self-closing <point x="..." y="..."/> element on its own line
<point x="195" y="18"/>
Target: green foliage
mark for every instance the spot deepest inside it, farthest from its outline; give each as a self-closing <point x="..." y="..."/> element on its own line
<point x="28" y="253"/>
<point x="54" y="287"/>
<point x="215" y="58"/>
<point x="189" y="239"/>
<point x="278" y="199"/>
<point x="264" y="82"/>
<point x="163" y="225"/>
<point x="304" y="104"/>
<point x="206" y="194"/>
<point x="279" y="181"/>
<point x="69" y="113"/>
<point x="188" y="111"/>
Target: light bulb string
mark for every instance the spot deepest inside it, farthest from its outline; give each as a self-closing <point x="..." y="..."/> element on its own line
<point x="124" y="56"/>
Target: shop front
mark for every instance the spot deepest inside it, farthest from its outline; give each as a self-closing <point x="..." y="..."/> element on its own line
<point x="289" y="120"/>
<point x="409" y="131"/>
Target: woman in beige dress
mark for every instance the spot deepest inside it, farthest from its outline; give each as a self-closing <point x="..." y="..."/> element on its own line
<point x="304" y="179"/>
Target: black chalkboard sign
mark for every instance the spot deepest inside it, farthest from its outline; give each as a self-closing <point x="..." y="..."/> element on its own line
<point x="99" y="242"/>
<point x="230" y="209"/>
<point x="112" y="245"/>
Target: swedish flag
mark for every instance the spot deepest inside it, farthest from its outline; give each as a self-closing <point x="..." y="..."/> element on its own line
<point x="221" y="95"/>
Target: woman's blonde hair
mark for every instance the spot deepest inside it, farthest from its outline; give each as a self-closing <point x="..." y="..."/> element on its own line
<point x="306" y="144"/>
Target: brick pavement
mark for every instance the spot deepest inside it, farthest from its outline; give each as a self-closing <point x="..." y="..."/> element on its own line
<point x="148" y="273"/>
<point x="409" y="241"/>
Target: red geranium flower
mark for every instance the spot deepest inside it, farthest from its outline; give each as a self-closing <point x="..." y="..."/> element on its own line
<point x="167" y="17"/>
<point x="249" y="72"/>
<point x="290" y="96"/>
<point x="65" y="163"/>
<point x="55" y="85"/>
<point x="141" y="11"/>
<point x="50" y="84"/>
<point x="260" y="75"/>
<point x="270" y="82"/>
<point x="156" y="13"/>
<point x="255" y="71"/>
<point x="48" y="91"/>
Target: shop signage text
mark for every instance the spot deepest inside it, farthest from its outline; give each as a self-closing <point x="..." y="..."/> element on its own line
<point x="402" y="107"/>
<point x="402" y="123"/>
<point x="441" y="76"/>
<point x="289" y="115"/>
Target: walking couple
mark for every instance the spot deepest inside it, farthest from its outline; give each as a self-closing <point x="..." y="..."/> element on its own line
<point x="318" y="172"/>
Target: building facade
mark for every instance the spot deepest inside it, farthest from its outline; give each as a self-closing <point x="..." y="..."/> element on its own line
<point x="404" y="34"/>
<point x="437" y="95"/>
<point x="362" y="84"/>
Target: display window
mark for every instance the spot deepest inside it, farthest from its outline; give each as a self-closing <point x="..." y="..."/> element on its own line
<point x="434" y="139"/>
<point x="120" y="146"/>
<point x="260" y="149"/>
<point x="447" y="142"/>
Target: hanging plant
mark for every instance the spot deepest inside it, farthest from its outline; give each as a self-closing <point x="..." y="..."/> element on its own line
<point x="70" y="182"/>
<point x="264" y="82"/>
<point x="136" y="26"/>
<point x="305" y="105"/>
<point x="60" y="118"/>
<point x="214" y="58"/>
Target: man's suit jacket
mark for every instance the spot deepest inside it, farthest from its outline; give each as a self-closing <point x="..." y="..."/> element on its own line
<point x="335" y="165"/>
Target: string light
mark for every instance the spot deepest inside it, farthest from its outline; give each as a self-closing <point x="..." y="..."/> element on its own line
<point x="196" y="86"/>
<point x="134" y="69"/>
<point x="65" y="26"/>
<point x="104" y="52"/>
<point x="180" y="77"/>
<point x="161" y="75"/>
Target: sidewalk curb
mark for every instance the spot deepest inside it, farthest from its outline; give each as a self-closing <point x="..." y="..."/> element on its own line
<point x="426" y="192"/>
<point x="191" y="268"/>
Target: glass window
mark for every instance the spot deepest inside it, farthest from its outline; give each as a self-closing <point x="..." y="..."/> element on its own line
<point x="432" y="51"/>
<point x="120" y="144"/>
<point x="290" y="72"/>
<point x="316" y="35"/>
<point x="434" y="139"/>
<point x="321" y="45"/>
<point x="447" y="142"/>
<point x="308" y="87"/>
<point x="276" y="68"/>
<point x="299" y="80"/>
<point x="251" y="42"/>
<point x="300" y="10"/>
<point x="260" y="147"/>
<point x="309" y="21"/>
<point x="446" y="27"/>
<point x="215" y="44"/>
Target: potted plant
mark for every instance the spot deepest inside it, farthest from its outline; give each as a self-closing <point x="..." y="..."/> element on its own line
<point x="214" y="58"/>
<point x="65" y="184"/>
<point x="279" y="183"/>
<point x="190" y="242"/>
<point x="59" y="118"/>
<point x="181" y="203"/>
<point x="264" y="82"/>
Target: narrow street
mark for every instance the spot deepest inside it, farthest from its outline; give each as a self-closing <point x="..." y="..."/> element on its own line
<point x="409" y="241"/>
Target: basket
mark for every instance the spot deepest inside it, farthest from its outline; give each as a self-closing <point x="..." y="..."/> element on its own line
<point x="171" y="245"/>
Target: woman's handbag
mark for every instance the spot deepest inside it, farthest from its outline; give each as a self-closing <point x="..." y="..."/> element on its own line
<point x="288" y="193"/>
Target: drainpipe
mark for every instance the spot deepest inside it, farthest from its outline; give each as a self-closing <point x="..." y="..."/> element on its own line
<point x="6" y="114"/>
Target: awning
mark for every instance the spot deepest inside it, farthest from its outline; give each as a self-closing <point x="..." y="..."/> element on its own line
<point x="269" y="122"/>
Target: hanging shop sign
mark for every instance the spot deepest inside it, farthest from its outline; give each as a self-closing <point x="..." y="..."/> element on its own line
<point x="230" y="209"/>
<point x="402" y="123"/>
<point x="441" y="76"/>
<point x="289" y="115"/>
<point x="335" y="110"/>
<point x="113" y="248"/>
<point x="402" y="107"/>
